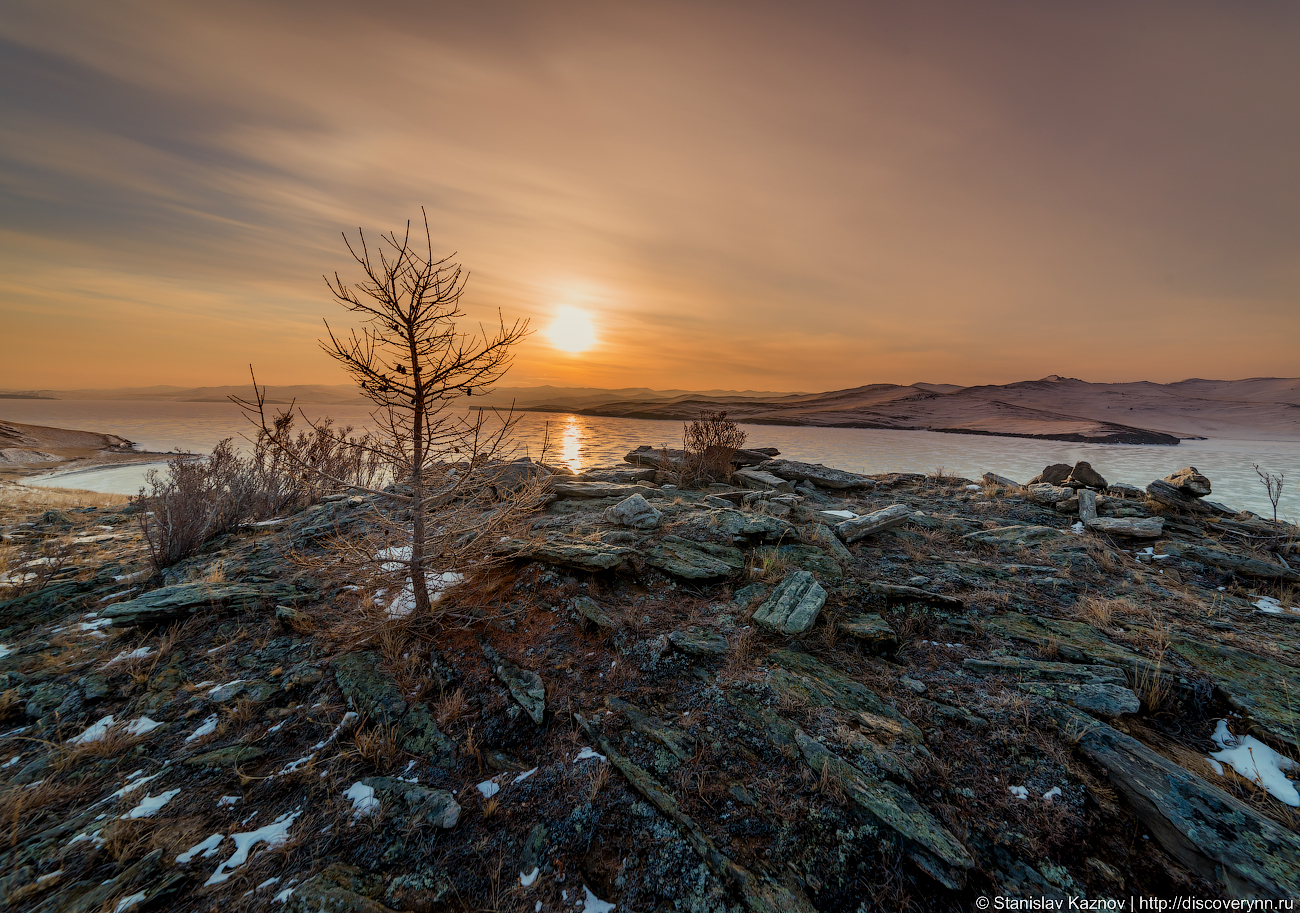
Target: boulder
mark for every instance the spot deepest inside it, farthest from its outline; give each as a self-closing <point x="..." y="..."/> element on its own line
<point x="1147" y="528"/>
<point x="742" y="458"/>
<point x="793" y="606"/>
<point x="1189" y="481"/>
<point x="1217" y="836"/>
<point x="1084" y="476"/>
<point x="1055" y="474"/>
<point x="656" y="457"/>
<point x="566" y="488"/>
<point x="874" y="522"/>
<point x="761" y="481"/>
<point x="635" y="512"/>
<point x="794" y="471"/>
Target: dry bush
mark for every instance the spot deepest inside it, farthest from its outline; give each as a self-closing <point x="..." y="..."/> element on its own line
<point x="709" y="444"/>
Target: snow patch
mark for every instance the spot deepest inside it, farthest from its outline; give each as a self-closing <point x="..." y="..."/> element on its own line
<point x="95" y="731"/>
<point x="528" y="879"/>
<point x="363" y="799"/>
<point x="127" y="903"/>
<point x="1019" y="792"/>
<point x="273" y="834"/>
<point x="523" y="776"/>
<point x="207" y="727"/>
<point x="593" y="904"/>
<point x="205" y="849"/>
<point x="489" y="788"/>
<point x="1256" y="762"/>
<point x="588" y="753"/>
<point x="141" y="726"/>
<point x="150" y="805"/>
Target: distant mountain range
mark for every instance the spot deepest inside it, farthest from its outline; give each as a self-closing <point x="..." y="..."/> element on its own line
<point x="1053" y="408"/>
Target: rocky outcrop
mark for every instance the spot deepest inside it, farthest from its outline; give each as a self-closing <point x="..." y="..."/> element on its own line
<point x="793" y="606"/>
<point x="635" y="512"/>
<point x="822" y="476"/>
<point x="875" y="522"/>
<point x="173" y="603"/>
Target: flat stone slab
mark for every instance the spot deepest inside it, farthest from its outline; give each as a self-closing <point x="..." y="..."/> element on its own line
<point x="873" y="630"/>
<point x="171" y="603"/>
<point x="1239" y="564"/>
<point x="564" y="488"/>
<point x="894" y="592"/>
<point x="1044" y="670"/>
<point x="793" y="606"/>
<point x="583" y="555"/>
<point x="1148" y="528"/>
<point x="759" y="480"/>
<point x="525" y="685"/>
<point x="1103" y="699"/>
<point x="1019" y="536"/>
<point x="697" y="641"/>
<point x="1260" y="688"/>
<point x="872" y="523"/>
<point x="811" y="680"/>
<point x="692" y="560"/>
<point x="589" y="609"/>
<point x="824" y="476"/>
<point x="1047" y="493"/>
<point x="1215" y="835"/>
<point x="729" y="526"/>
<point x="894" y="809"/>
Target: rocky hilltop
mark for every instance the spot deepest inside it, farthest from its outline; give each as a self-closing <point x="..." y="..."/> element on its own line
<point x="802" y="690"/>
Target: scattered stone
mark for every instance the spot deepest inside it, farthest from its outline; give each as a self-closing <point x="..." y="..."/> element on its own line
<point x="1189" y="481"/>
<point x="793" y="606"/>
<point x="697" y="641"/>
<point x="526" y="686"/>
<point x="1148" y="528"/>
<point x="895" y="593"/>
<point x="994" y="479"/>
<point x="794" y="471"/>
<point x="761" y="481"/>
<point x="1046" y="493"/>
<point x="874" y="522"/>
<point x="422" y="805"/>
<point x="635" y="512"/>
<point x="872" y="630"/>
<point x="173" y="603"/>
<point x="589" y="609"/>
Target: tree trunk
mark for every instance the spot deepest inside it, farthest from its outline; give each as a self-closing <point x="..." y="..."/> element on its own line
<point x="419" y="583"/>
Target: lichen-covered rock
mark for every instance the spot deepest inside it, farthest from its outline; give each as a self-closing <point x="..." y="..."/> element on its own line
<point x="581" y="554"/>
<point x="1019" y="536"/>
<point x="171" y="603"/>
<point x="420" y="804"/>
<point x="635" y="512"/>
<point x="589" y="609"/>
<point x="872" y="630"/>
<point x="808" y="679"/>
<point x="1046" y="493"/>
<point x="697" y="641"/>
<point x="759" y="480"/>
<point x="369" y="691"/>
<point x="1215" y="835"/>
<point x="793" y="606"/>
<point x="692" y="560"/>
<point x="728" y="526"/>
<point x="824" y="476"/>
<point x="525" y="685"/>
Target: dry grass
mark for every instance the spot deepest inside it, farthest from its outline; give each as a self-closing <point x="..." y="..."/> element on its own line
<point x="380" y="746"/>
<point x="451" y="707"/>
<point x="29" y="497"/>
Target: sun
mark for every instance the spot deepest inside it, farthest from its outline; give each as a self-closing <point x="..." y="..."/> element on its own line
<point x="572" y="330"/>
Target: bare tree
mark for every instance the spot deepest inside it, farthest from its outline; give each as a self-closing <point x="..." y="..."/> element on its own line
<point x="410" y="359"/>
<point x="1272" y="482"/>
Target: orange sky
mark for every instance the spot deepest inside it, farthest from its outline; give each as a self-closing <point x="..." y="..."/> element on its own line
<point x="743" y="195"/>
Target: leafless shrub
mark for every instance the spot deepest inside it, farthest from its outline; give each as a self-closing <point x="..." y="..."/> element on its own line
<point x="709" y="444"/>
<point x="1272" y="483"/>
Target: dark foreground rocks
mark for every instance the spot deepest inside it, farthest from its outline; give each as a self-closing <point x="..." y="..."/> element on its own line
<point x="810" y="690"/>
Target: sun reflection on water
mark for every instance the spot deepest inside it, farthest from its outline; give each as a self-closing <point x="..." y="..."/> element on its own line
<point x="571" y="445"/>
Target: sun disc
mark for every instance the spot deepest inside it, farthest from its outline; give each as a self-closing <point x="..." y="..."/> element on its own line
<point x="572" y="330"/>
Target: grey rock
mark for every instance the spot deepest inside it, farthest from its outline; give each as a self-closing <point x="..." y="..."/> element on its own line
<point x="793" y="606"/>
<point x="1172" y="496"/>
<point x="729" y="526"/>
<point x="656" y="457"/>
<point x="1239" y="564"/>
<point x="368" y="690"/>
<point x="635" y="512"/>
<point x="697" y="641"/>
<point x="581" y="554"/>
<point x="172" y="603"/>
<point x="874" y="522"/>
<point x="1046" y="493"/>
<point x="994" y="479"/>
<point x="894" y="810"/>
<point x="873" y="630"/>
<point x="335" y="890"/>
<point x="1103" y="699"/>
<point x="420" y="736"/>
<point x="525" y="685"/>
<point x="1189" y="481"/>
<point x="824" y="476"/>
<point x="807" y="678"/>
<point x="692" y="560"/>
<point x="422" y="805"/>
<point x="1087" y="505"/>
<point x="913" y="685"/>
<point x="822" y="536"/>
<point x="1147" y="528"/>
<point x="1018" y="536"/>
<point x="895" y="593"/>
<point x="1042" y="670"/>
<point x="589" y="609"/>
<point x="619" y="476"/>
<point x="761" y="481"/>
<point x="1214" y="834"/>
<point x="564" y="488"/>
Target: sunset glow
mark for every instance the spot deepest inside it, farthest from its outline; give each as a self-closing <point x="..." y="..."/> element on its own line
<point x="572" y="331"/>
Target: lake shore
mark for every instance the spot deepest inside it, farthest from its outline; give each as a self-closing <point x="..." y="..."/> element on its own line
<point x="32" y="450"/>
